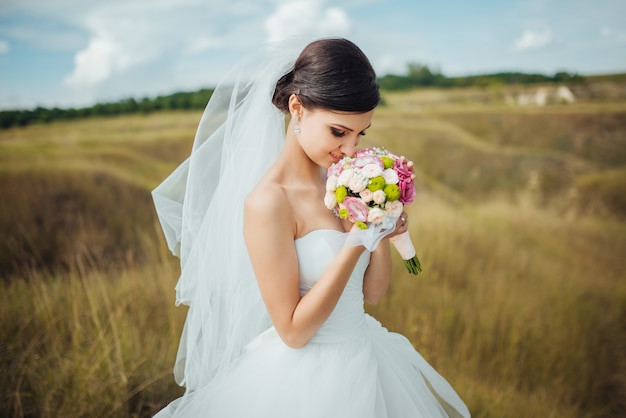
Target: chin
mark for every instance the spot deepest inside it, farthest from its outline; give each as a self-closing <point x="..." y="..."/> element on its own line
<point x="326" y="164"/>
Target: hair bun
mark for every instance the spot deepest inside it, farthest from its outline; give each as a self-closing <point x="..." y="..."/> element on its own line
<point x="282" y="92"/>
<point x="332" y="74"/>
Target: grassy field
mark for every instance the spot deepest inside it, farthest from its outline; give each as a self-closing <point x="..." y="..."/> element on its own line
<point x="519" y="222"/>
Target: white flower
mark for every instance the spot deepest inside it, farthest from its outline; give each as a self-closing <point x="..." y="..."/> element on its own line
<point x="366" y="195"/>
<point x="372" y="170"/>
<point x="379" y="197"/>
<point x="357" y="183"/>
<point x="376" y="216"/>
<point x="330" y="200"/>
<point x="394" y="208"/>
<point x="344" y="177"/>
<point x="331" y="183"/>
<point x="390" y="176"/>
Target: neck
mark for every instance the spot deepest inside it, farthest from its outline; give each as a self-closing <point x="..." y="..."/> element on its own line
<point x="298" y="163"/>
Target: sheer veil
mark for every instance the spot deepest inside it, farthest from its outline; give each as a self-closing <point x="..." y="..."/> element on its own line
<point x="200" y="207"/>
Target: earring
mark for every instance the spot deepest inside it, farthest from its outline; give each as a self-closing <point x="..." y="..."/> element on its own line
<point x="297" y="128"/>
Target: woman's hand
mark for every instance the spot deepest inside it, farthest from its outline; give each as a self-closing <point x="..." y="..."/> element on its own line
<point x="402" y="225"/>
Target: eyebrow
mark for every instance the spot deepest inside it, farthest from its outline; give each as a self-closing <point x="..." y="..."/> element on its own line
<point x="351" y="130"/>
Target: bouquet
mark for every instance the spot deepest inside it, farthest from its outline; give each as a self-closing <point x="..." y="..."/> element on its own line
<point x="369" y="187"/>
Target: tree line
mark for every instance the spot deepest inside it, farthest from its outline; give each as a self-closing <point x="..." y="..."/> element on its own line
<point x="423" y="76"/>
<point x="176" y="101"/>
<point x="418" y="75"/>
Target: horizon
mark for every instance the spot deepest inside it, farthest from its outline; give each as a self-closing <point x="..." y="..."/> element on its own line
<point x="154" y="97"/>
<point x="73" y="54"/>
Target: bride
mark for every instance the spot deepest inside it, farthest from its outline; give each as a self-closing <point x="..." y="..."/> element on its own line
<point x="276" y="325"/>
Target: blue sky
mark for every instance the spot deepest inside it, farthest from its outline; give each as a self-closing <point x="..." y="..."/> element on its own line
<point x="76" y="52"/>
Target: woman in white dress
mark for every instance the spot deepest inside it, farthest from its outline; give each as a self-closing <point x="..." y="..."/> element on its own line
<point x="276" y="325"/>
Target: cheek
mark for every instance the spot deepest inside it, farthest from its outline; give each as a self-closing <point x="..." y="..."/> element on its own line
<point x="315" y="138"/>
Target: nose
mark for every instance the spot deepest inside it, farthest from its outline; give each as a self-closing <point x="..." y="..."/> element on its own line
<point x="348" y="148"/>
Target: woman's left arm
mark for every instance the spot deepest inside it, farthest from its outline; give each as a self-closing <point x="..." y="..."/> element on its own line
<point x="378" y="274"/>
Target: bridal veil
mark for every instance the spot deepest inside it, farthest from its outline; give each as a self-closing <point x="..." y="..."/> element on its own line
<point x="200" y="207"/>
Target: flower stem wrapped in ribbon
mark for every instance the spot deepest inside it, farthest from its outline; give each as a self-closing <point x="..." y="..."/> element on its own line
<point x="369" y="188"/>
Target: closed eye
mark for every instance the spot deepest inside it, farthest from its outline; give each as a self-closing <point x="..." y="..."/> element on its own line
<point x="337" y="133"/>
<point x="341" y="134"/>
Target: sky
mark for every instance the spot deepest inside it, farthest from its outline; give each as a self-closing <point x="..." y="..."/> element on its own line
<point x="74" y="53"/>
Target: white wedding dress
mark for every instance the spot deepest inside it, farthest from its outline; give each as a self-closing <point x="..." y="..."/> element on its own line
<point x="352" y="368"/>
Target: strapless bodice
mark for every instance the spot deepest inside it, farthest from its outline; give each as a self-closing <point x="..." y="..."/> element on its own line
<point x="315" y="252"/>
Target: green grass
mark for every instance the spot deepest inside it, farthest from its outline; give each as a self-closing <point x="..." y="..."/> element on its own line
<point x="519" y="224"/>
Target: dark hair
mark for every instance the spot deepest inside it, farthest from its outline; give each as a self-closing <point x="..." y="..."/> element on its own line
<point x="332" y="74"/>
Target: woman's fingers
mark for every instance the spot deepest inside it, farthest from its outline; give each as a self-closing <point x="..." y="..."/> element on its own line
<point x="409" y="165"/>
<point x="403" y="222"/>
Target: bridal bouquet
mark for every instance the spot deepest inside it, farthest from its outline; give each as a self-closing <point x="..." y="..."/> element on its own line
<point x="367" y="188"/>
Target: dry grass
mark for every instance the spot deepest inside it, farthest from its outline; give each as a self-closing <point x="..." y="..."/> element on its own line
<point x="522" y="303"/>
<point x="57" y="216"/>
<point x="89" y="344"/>
<point x="518" y="303"/>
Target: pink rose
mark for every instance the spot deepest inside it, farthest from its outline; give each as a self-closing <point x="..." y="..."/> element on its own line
<point x="362" y="161"/>
<point x="362" y="151"/>
<point x="372" y="170"/>
<point x="407" y="192"/>
<point x="394" y="208"/>
<point x="376" y="216"/>
<point x="335" y="169"/>
<point x="357" y="183"/>
<point x="366" y="195"/>
<point x="405" y="183"/>
<point x="356" y="208"/>
<point x="379" y="197"/>
<point x="402" y="169"/>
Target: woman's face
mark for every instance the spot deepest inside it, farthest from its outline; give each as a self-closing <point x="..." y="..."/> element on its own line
<point x="326" y="136"/>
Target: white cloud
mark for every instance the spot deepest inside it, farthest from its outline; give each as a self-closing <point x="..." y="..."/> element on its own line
<point x="4" y="46"/>
<point x="306" y="17"/>
<point x="117" y="43"/>
<point x="127" y="36"/>
<point x="94" y="64"/>
<point x="533" y="39"/>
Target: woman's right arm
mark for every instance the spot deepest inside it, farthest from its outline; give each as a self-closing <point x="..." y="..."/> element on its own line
<point x="269" y="234"/>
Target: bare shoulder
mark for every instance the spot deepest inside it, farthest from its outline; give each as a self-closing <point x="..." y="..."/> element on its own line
<point x="267" y="204"/>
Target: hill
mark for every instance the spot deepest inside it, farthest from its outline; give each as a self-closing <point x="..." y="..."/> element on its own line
<point x="519" y="222"/>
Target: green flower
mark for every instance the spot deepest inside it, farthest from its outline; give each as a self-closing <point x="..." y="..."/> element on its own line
<point x="392" y="191"/>
<point x="387" y="161"/>
<point x="361" y="225"/>
<point x="343" y="213"/>
<point x="341" y="193"/>
<point x="376" y="183"/>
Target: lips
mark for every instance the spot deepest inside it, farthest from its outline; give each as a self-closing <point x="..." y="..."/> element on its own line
<point x="335" y="158"/>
